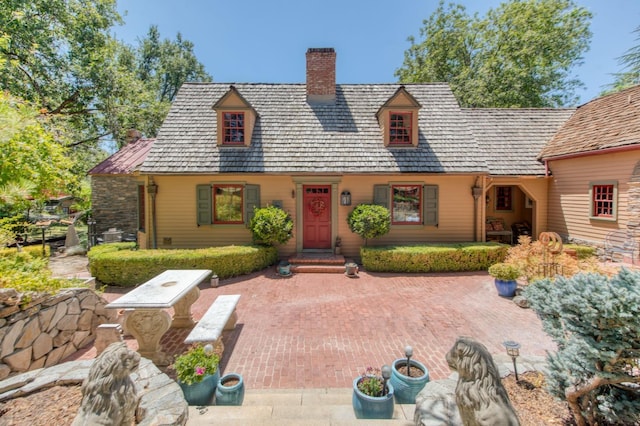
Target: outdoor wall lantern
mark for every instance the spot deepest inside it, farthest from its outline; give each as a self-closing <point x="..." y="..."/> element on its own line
<point x="345" y="198"/>
<point x="513" y="350"/>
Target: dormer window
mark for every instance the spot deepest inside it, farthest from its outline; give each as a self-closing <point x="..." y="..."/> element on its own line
<point x="233" y="128"/>
<point x="398" y="119"/>
<point x="400" y="125"/>
<point x="236" y="119"/>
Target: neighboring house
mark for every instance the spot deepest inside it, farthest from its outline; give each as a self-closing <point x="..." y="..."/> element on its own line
<point x="594" y="163"/>
<point x="320" y="148"/>
<point x="117" y="192"/>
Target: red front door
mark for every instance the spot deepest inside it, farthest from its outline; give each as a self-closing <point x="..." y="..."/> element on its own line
<point x="317" y="217"/>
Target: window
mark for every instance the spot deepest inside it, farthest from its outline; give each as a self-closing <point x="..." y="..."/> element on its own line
<point x="233" y="128"/>
<point x="400" y="128"/>
<point x="227" y="203"/>
<point x="603" y="197"/>
<point x="141" y="208"/>
<point x="503" y="198"/>
<point x="411" y="204"/>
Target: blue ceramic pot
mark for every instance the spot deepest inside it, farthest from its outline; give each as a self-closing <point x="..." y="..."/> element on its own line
<point x="232" y="394"/>
<point x="370" y="407"/>
<point x="406" y="388"/>
<point x="201" y="393"/>
<point x="506" y="288"/>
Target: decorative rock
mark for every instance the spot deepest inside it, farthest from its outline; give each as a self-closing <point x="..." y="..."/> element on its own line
<point x="19" y="360"/>
<point x="62" y="338"/>
<point x="61" y="311"/>
<point x="54" y="356"/>
<point x="73" y="307"/>
<point x="79" y="337"/>
<point x="8" y="296"/>
<point x="68" y="323"/>
<point x="5" y="370"/>
<point x="30" y="332"/>
<point x="42" y="345"/>
<point x="84" y="322"/>
<point x="521" y="301"/>
<point x="8" y="343"/>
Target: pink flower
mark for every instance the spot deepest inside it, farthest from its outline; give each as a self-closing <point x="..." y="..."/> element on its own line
<point x="200" y="371"/>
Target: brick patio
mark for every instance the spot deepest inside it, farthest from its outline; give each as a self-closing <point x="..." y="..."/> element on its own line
<point x="314" y="330"/>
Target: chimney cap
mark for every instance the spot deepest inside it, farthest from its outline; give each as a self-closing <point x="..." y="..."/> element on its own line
<point x="320" y="50"/>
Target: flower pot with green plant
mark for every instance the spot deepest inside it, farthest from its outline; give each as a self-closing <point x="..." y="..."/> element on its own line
<point x="197" y="373"/>
<point x="373" y="394"/>
<point x="505" y="276"/>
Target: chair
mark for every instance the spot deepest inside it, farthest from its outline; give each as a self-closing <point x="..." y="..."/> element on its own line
<point x="496" y="228"/>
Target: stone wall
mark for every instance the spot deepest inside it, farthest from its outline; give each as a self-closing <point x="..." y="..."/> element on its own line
<point x="48" y="329"/>
<point x="114" y="201"/>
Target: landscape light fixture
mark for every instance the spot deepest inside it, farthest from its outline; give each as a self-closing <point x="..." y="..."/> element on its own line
<point x="513" y="350"/>
<point x="408" y="351"/>
<point x="386" y="375"/>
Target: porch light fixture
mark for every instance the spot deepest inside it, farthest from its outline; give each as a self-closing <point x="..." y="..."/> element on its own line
<point x="345" y="198"/>
<point x="513" y="350"/>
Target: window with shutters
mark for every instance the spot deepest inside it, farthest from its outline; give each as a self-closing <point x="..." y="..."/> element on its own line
<point x="409" y="204"/>
<point x="226" y="203"/>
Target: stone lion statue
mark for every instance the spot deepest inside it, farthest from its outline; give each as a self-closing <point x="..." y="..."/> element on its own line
<point x="108" y="394"/>
<point x="480" y="396"/>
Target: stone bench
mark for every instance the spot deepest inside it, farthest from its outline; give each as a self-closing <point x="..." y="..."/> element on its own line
<point x="220" y="316"/>
<point x="620" y="245"/>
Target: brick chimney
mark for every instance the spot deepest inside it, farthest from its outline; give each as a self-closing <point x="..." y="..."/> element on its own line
<point x="321" y="75"/>
<point x="131" y="136"/>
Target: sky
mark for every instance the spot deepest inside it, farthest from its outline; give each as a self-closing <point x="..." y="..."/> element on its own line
<point x="265" y="41"/>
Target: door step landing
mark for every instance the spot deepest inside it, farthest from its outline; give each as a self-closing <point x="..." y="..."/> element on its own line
<point x="317" y="262"/>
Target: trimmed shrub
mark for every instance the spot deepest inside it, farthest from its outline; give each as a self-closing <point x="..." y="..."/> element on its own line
<point x="369" y="221"/>
<point x="270" y="226"/>
<point x="453" y="257"/>
<point x="121" y="266"/>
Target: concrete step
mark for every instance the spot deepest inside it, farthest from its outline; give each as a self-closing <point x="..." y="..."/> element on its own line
<point x="317" y="263"/>
<point x="322" y="407"/>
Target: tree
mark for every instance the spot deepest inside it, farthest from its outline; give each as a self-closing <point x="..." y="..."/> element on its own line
<point x="369" y="221"/>
<point x="595" y="322"/>
<point x="520" y="55"/>
<point x="630" y="62"/>
<point x="60" y="55"/>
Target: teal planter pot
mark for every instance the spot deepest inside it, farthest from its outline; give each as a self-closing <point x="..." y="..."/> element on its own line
<point x="369" y="407"/>
<point x="201" y="393"/>
<point x="232" y="394"/>
<point x="506" y="288"/>
<point x="406" y="388"/>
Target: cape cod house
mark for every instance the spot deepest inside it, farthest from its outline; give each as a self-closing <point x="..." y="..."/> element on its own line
<point x="318" y="149"/>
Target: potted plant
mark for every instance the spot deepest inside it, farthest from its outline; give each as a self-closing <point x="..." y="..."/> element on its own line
<point x="408" y="377"/>
<point x="230" y="390"/>
<point x="197" y="374"/>
<point x="373" y="394"/>
<point x="505" y="275"/>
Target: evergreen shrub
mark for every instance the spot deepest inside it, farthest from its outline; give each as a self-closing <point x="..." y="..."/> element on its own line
<point x="369" y="221"/>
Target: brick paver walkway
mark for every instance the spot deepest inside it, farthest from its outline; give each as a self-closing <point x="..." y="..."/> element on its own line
<point x="322" y="330"/>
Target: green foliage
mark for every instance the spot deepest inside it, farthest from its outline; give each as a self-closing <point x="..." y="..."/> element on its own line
<point x="271" y="225"/>
<point x="582" y="252"/>
<point x="119" y="264"/>
<point x="369" y="221"/>
<point x="504" y="271"/>
<point x="630" y="61"/>
<point x="199" y="361"/>
<point x="371" y="383"/>
<point x="520" y="54"/>
<point x="595" y="322"/>
<point x="432" y="257"/>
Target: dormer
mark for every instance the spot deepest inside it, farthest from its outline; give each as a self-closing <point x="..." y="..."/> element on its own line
<point x="236" y="118"/>
<point x="398" y="119"/>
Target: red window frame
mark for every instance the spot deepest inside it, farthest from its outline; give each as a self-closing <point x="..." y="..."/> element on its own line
<point x="602" y="200"/>
<point x="233" y="128"/>
<point x="418" y="192"/>
<point x="216" y="213"/>
<point x="504" y="199"/>
<point x="400" y="128"/>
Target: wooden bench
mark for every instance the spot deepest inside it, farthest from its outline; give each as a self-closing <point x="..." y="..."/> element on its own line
<point x="620" y="244"/>
<point x="220" y="316"/>
<point x="496" y="228"/>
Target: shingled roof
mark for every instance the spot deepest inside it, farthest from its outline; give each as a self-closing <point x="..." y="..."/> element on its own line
<point x="514" y="137"/>
<point x="293" y="136"/>
<point x="126" y="160"/>
<point x="612" y="121"/>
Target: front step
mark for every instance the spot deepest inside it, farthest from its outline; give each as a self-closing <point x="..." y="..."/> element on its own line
<point x="322" y="407"/>
<point x="317" y="262"/>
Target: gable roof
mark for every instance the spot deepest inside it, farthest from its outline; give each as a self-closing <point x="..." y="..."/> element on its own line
<point x="612" y="121"/>
<point x="514" y="137"/>
<point x="126" y="160"/>
<point x="292" y="136"/>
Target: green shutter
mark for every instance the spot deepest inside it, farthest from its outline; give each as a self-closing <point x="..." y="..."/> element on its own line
<point x="381" y="195"/>
<point x="251" y="201"/>
<point x="430" y="214"/>
<point x="204" y="204"/>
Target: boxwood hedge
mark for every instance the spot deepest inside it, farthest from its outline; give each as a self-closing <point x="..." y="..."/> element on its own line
<point x="121" y="265"/>
<point x="454" y="257"/>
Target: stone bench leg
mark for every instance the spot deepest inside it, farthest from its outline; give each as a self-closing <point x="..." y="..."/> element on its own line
<point x="231" y="322"/>
<point x="182" y="317"/>
<point x="107" y="334"/>
<point x="148" y="326"/>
